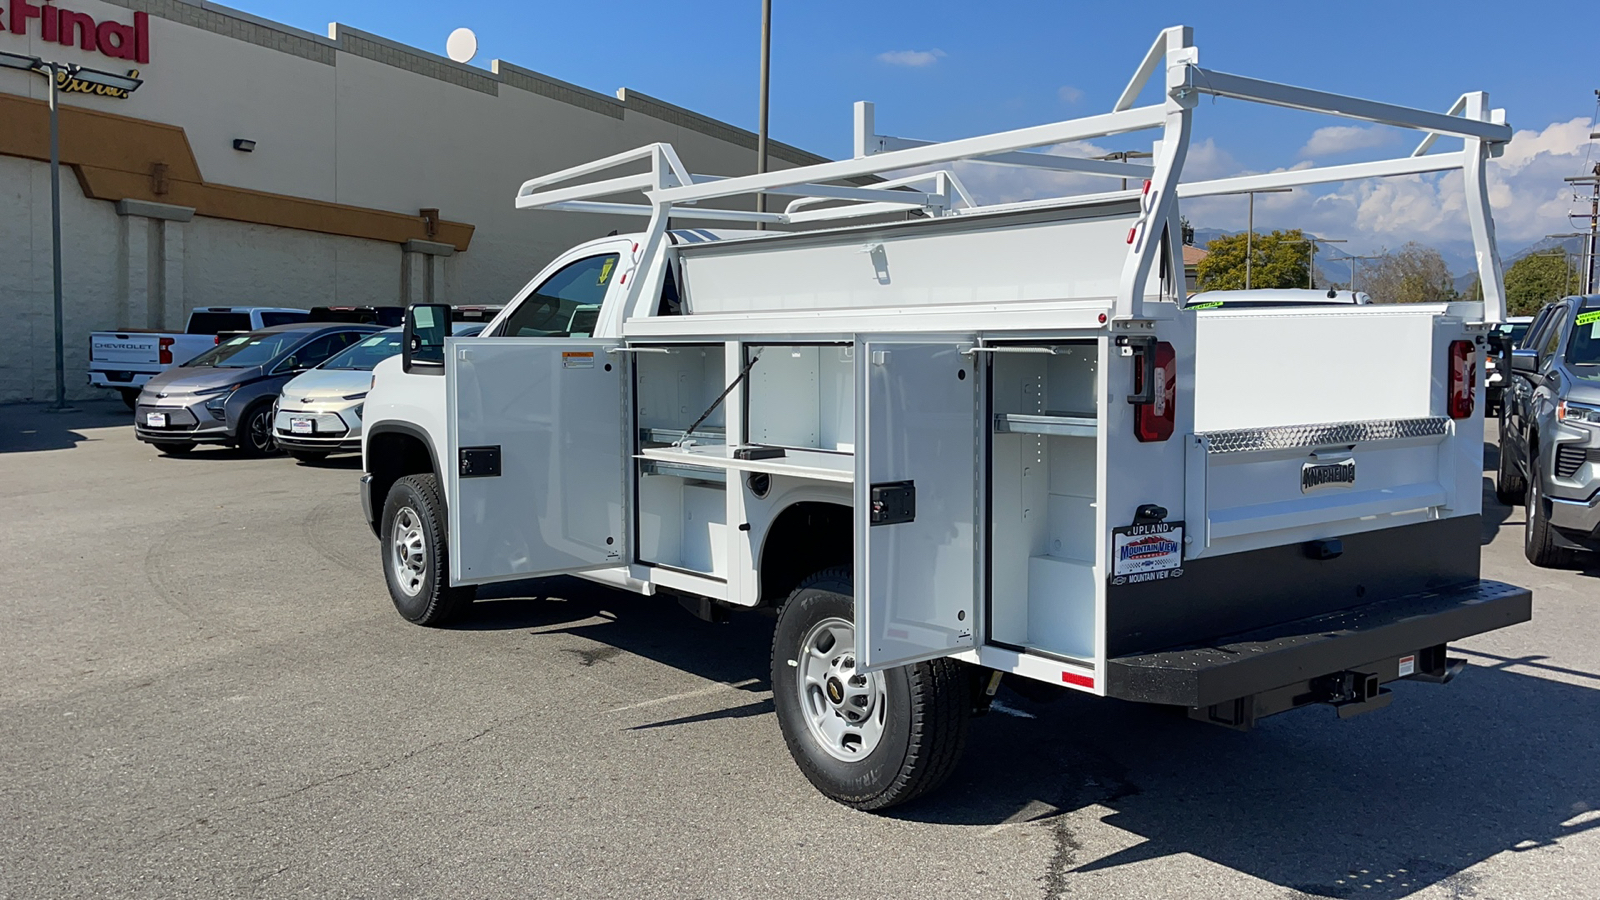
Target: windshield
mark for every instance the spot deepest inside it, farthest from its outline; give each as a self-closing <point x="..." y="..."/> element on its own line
<point x="364" y="356"/>
<point x="1584" y="348"/>
<point x="246" y="350"/>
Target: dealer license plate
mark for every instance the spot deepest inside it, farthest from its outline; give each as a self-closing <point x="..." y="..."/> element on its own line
<point x="155" y="420"/>
<point x="302" y="426"/>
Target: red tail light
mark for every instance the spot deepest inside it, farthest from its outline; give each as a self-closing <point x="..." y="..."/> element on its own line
<point x="166" y="351"/>
<point x="1154" y="421"/>
<point x="1463" y="378"/>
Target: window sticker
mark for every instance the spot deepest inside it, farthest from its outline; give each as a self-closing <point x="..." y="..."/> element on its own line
<point x="1589" y="317"/>
<point x="605" y="270"/>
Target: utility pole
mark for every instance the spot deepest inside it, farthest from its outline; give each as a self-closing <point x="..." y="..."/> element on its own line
<point x="761" y="115"/>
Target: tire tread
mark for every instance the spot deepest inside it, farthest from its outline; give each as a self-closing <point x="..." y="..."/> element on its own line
<point x="940" y="701"/>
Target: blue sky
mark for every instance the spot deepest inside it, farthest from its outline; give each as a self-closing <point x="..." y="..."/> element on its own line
<point x="943" y="70"/>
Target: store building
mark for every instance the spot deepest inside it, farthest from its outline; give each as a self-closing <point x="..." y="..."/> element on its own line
<point x="259" y="164"/>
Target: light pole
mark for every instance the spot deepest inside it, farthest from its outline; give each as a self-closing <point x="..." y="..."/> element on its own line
<point x="53" y="71"/>
<point x="1250" y="230"/>
<point x="1566" y="256"/>
<point x="1311" y="263"/>
<point x="1124" y="156"/>
<point x="1352" y="260"/>
<point x="761" y="113"/>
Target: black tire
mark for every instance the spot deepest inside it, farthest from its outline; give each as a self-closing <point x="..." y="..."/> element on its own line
<point x="433" y="602"/>
<point x="255" y="431"/>
<point x="309" y="456"/>
<point x="173" y="449"/>
<point x="130" y="397"/>
<point x="928" y="706"/>
<point x="1539" y="539"/>
<point x="1510" y="487"/>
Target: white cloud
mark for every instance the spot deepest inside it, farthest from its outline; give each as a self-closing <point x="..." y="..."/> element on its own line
<point x="1336" y="139"/>
<point x="914" y="59"/>
<point x="1526" y="192"/>
<point x="1069" y="94"/>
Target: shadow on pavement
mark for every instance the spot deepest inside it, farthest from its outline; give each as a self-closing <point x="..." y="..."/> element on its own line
<point x="28" y="428"/>
<point x="1378" y="807"/>
<point x="1495" y="513"/>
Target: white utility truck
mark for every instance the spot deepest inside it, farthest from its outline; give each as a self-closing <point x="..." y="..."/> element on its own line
<point x="126" y="360"/>
<point x="951" y="442"/>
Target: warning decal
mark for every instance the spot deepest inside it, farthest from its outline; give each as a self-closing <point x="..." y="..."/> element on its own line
<point x="577" y="359"/>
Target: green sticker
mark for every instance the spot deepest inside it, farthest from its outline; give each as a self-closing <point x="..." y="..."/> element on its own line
<point x="605" y="270"/>
<point x="1588" y="317"/>
<point x="1212" y="305"/>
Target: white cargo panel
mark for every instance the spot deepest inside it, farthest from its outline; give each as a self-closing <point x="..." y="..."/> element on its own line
<point x="1062" y="257"/>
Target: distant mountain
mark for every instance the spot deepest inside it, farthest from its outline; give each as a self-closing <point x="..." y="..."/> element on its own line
<point x="1467" y="266"/>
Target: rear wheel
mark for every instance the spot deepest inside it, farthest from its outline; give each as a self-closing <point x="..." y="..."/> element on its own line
<point x="1509" y="485"/>
<point x="255" y="431"/>
<point x="174" y="449"/>
<point x="867" y="740"/>
<point x="415" y="553"/>
<point x="1539" y="539"/>
<point x="130" y="397"/>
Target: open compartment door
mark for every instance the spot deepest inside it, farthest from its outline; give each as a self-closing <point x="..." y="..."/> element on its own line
<point x="916" y="499"/>
<point x="537" y="457"/>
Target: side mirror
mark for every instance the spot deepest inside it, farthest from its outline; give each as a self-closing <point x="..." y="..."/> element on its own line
<point x="422" y="349"/>
<point x="1525" y="361"/>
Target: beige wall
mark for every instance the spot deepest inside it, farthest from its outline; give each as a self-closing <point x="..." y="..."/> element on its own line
<point x="400" y="132"/>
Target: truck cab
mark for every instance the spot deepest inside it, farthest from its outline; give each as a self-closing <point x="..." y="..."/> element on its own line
<point x="973" y="443"/>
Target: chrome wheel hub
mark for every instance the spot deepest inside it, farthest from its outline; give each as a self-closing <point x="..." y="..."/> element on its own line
<point x="409" y="550"/>
<point x="845" y="710"/>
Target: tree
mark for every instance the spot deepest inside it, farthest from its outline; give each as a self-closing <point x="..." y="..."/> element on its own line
<point x="1281" y="259"/>
<point x="1412" y="274"/>
<point x="1537" y="279"/>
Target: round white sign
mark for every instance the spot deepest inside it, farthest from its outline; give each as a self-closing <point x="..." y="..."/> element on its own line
<point x="462" y="45"/>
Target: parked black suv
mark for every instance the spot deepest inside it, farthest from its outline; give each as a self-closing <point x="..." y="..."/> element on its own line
<point x="1550" y="431"/>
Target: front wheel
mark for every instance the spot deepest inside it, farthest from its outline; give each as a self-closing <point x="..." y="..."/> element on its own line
<point x="1509" y="485"/>
<point x="255" y="431"/>
<point x="1539" y="539"/>
<point x="868" y="740"/>
<point x="415" y="561"/>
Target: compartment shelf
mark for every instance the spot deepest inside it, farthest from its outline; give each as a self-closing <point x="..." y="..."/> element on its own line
<point x="814" y="464"/>
<point x="1059" y="425"/>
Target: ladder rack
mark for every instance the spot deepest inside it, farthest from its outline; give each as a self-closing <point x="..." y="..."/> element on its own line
<point x="672" y="192"/>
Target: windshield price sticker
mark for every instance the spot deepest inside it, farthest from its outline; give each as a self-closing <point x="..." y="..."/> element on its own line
<point x="1588" y="317"/>
<point x="1146" y="552"/>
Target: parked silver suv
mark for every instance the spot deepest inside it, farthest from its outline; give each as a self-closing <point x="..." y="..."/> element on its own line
<point x="1550" y="431"/>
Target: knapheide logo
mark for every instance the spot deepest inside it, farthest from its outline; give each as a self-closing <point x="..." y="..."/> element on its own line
<point x="68" y="28"/>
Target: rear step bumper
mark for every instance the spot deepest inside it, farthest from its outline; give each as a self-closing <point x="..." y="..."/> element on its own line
<point x="1285" y="666"/>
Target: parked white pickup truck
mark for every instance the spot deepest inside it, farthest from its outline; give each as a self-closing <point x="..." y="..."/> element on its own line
<point x="124" y="360"/>
<point x="975" y="443"/>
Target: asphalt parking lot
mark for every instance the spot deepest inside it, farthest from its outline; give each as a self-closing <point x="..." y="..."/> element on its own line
<point x="207" y="693"/>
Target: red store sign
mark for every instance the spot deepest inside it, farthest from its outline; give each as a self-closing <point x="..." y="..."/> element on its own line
<point x="68" y="28"/>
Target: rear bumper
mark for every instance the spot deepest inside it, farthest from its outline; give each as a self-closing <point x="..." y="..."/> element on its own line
<point x="1365" y="638"/>
<point x="119" y="379"/>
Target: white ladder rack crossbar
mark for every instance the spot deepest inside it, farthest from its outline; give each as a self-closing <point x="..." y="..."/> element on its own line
<point x="670" y="191"/>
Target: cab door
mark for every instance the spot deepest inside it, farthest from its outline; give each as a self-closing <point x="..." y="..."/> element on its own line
<point x="917" y="496"/>
<point x="537" y="457"/>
